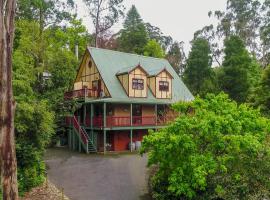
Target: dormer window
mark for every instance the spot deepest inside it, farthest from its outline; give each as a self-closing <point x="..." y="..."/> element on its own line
<point x="164" y="86"/>
<point x="137" y="84"/>
<point x="134" y="80"/>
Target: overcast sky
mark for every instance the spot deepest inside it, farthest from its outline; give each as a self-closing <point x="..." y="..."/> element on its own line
<point x="177" y="18"/>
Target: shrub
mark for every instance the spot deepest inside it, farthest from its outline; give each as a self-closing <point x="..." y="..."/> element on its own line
<point x="216" y="149"/>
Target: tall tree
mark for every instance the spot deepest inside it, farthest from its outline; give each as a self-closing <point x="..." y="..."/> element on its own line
<point x="198" y="74"/>
<point x="155" y="33"/>
<point x="177" y="57"/>
<point x="104" y="13"/>
<point x="133" y="37"/>
<point x="261" y="96"/>
<point x="241" y="72"/>
<point x="242" y="17"/>
<point x="7" y="102"/>
<point x="265" y="33"/>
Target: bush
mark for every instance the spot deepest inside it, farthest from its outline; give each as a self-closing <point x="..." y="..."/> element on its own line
<point x="31" y="167"/>
<point x="216" y="149"/>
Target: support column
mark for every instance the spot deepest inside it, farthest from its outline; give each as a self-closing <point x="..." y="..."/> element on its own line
<point x="104" y="140"/>
<point x="104" y="115"/>
<point x="84" y="114"/>
<point x="104" y="126"/>
<point x="156" y="113"/>
<point x="131" y="139"/>
<point x="91" y="115"/>
<point x="131" y="114"/>
<point x="91" y="121"/>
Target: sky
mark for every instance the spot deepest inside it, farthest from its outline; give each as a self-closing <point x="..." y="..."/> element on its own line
<point x="177" y="18"/>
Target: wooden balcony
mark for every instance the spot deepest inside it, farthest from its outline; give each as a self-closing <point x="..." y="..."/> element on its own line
<point x="82" y="93"/>
<point x="112" y="121"/>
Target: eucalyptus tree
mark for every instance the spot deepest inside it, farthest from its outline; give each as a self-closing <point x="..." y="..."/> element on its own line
<point x="155" y="33"/>
<point x="104" y="14"/>
<point x="177" y="57"/>
<point x="7" y="102"/>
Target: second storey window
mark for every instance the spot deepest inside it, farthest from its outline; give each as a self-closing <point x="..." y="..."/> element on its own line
<point x="137" y="84"/>
<point x="163" y="86"/>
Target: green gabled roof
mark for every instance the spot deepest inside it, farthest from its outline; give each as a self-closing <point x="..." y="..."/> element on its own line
<point x="109" y="63"/>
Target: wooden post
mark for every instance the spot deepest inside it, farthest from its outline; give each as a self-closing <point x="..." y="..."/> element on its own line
<point x="131" y="115"/>
<point x="131" y="139"/>
<point x="104" y="126"/>
<point x="84" y="114"/>
<point x="104" y="115"/>
<point x="7" y="103"/>
<point x="91" y="115"/>
<point x="156" y="114"/>
<point x="104" y="140"/>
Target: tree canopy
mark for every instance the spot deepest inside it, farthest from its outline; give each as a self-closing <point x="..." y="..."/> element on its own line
<point x="198" y="74"/>
<point x="215" y="149"/>
<point x="133" y="37"/>
<point x="241" y="72"/>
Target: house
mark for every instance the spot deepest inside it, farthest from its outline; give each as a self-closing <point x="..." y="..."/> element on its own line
<point x="122" y="96"/>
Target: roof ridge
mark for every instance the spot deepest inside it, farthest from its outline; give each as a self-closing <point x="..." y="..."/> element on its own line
<point x="132" y="54"/>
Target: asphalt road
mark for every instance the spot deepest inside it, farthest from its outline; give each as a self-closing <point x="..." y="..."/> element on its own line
<point x="98" y="177"/>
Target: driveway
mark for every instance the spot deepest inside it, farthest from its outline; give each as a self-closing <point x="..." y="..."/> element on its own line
<point x="98" y="177"/>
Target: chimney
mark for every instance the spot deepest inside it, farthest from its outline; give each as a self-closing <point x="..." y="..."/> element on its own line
<point x="77" y="51"/>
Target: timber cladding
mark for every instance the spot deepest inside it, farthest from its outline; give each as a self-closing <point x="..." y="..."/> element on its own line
<point x="139" y="77"/>
<point x="161" y="79"/>
<point x="88" y="76"/>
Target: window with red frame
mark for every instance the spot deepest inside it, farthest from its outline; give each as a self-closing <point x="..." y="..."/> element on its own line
<point x="163" y="86"/>
<point x="137" y="84"/>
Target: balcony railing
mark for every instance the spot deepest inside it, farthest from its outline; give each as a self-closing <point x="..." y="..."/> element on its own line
<point x="82" y="93"/>
<point x="113" y="121"/>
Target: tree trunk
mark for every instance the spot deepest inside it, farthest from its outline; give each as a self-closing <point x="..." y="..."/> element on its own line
<point x="7" y="103"/>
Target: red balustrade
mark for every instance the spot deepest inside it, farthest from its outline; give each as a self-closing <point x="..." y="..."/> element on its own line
<point x="113" y="121"/>
<point x="118" y="121"/>
<point x="144" y="120"/>
<point x="80" y="94"/>
<point x="74" y="122"/>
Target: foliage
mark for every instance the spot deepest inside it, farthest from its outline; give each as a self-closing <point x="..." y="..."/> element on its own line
<point x="261" y="95"/>
<point x="51" y="12"/>
<point x="177" y="57"/>
<point x="153" y="49"/>
<point x="216" y="149"/>
<point x="39" y="101"/>
<point x="248" y="19"/>
<point x="198" y="75"/>
<point x="155" y="33"/>
<point x="104" y="14"/>
<point x="133" y="37"/>
<point x="241" y="72"/>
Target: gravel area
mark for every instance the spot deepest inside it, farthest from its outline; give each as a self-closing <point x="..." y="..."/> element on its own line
<point x="98" y="177"/>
